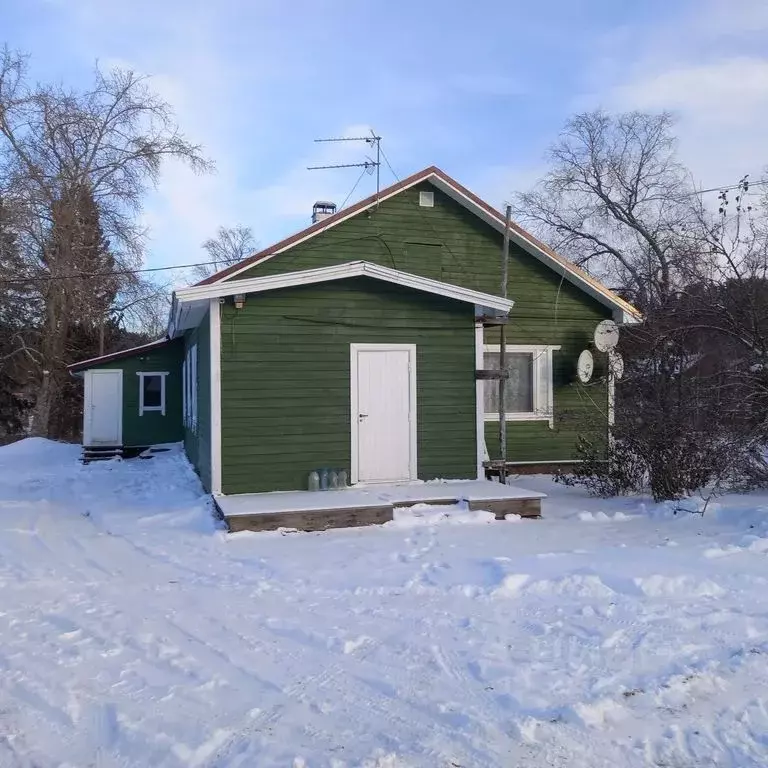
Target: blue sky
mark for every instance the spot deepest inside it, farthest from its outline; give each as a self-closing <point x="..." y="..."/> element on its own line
<point x="478" y="88"/>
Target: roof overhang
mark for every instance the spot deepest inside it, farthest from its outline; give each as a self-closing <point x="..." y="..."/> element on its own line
<point x="623" y="312"/>
<point x="77" y="368"/>
<point x="190" y="304"/>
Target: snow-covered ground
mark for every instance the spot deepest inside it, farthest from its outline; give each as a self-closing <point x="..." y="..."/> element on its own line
<point x="133" y="632"/>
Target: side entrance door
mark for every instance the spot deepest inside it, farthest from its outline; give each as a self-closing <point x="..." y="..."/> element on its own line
<point x="383" y="399"/>
<point x="103" y="418"/>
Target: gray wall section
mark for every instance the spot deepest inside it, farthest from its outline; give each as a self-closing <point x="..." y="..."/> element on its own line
<point x="286" y="380"/>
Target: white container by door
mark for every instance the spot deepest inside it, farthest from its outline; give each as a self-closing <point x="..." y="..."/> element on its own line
<point x="383" y="394"/>
<point x="103" y="417"/>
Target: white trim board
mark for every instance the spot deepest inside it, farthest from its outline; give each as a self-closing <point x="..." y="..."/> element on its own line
<point x="542" y="390"/>
<point x="215" y="421"/>
<point x="153" y="408"/>
<point x="354" y="349"/>
<point x="350" y="269"/>
<point x="482" y="450"/>
<point x="623" y="312"/>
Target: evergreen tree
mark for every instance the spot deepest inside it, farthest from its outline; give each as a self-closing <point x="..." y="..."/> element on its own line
<point x="17" y="330"/>
<point x="84" y="293"/>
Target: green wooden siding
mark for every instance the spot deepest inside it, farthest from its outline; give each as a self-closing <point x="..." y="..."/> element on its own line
<point x="536" y="440"/>
<point x="154" y="427"/>
<point x="451" y="244"/>
<point x="197" y="443"/>
<point x="285" y="380"/>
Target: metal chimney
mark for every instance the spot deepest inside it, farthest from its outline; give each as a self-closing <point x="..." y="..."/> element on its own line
<point x="322" y="209"/>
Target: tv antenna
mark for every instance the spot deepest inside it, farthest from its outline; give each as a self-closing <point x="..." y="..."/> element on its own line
<point x="369" y="164"/>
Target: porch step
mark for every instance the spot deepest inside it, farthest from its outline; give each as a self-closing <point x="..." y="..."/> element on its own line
<point x="371" y="505"/>
<point x="101" y="452"/>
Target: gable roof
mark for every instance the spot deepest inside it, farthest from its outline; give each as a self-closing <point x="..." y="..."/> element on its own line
<point x="94" y="361"/>
<point x="190" y="303"/>
<point x="623" y="310"/>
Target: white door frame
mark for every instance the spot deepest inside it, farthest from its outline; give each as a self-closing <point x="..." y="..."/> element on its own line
<point x="354" y="403"/>
<point x="88" y="403"/>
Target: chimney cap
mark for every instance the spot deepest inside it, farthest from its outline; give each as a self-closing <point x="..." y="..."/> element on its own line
<point x="322" y="209"/>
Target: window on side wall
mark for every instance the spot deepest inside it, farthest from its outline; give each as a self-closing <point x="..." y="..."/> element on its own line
<point x="189" y="388"/>
<point x="528" y="392"/>
<point x="152" y="392"/>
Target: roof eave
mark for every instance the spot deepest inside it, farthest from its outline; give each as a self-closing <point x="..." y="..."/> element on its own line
<point x="201" y="293"/>
<point x="76" y="368"/>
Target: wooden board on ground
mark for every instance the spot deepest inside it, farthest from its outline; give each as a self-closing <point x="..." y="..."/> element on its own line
<point x="311" y="520"/>
<point x="503" y="507"/>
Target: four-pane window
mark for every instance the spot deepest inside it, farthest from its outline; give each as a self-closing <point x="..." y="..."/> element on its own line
<point x="152" y="392"/>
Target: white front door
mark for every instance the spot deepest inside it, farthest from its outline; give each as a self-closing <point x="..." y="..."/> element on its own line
<point x="103" y="423"/>
<point x="383" y="389"/>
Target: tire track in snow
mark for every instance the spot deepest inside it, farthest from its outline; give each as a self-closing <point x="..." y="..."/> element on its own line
<point x="378" y="714"/>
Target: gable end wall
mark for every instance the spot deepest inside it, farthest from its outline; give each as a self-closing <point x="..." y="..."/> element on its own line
<point x="451" y="244"/>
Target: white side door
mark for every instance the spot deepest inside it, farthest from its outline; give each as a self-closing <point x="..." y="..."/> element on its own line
<point x="383" y="389"/>
<point x="103" y="417"/>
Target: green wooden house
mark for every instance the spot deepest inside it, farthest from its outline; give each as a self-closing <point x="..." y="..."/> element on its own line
<point x="354" y="344"/>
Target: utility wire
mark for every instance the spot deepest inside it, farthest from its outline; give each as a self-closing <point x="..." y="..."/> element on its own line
<point x="80" y="275"/>
<point x="147" y="270"/>
<point x="116" y="273"/>
<point x="740" y="185"/>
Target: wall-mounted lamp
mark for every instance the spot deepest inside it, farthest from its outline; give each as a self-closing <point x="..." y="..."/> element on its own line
<point x="239" y="300"/>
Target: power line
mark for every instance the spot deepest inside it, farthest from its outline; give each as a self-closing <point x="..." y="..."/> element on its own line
<point x="148" y="270"/>
<point x="740" y="185"/>
<point x="123" y="272"/>
<point x="116" y="273"/>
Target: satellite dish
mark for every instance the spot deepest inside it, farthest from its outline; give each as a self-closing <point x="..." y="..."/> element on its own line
<point x="606" y="335"/>
<point x="585" y="366"/>
<point x="615" y="364"/>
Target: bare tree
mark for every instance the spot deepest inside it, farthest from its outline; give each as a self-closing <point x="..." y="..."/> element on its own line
<point x="142" y="306"/>
<point x="692" y="410"/>
<point x="229" y="246"/>
<point x="616" y="200"/>
<point x="110" y="139"/>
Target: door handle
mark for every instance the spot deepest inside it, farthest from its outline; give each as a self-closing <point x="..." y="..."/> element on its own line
<point x="362" y="416"/>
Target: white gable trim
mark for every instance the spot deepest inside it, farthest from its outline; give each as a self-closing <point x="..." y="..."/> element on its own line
<point x="340" y="272"/>
<point x="214" y="318"/>
<point x="594" y="288"/>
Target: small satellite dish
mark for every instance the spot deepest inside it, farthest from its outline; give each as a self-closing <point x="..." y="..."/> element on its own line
<point x="606" y="335"/>
<point x="615" y="364"/>
<point x="585" y="367"/>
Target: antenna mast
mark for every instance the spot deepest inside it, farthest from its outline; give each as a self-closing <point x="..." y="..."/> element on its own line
<point x="368" y="164"/>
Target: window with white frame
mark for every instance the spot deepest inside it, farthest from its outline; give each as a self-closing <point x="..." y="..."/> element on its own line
<point x="528" y="392"/>
<point x="152" y="392"/>
<point x="189" y="387"/>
